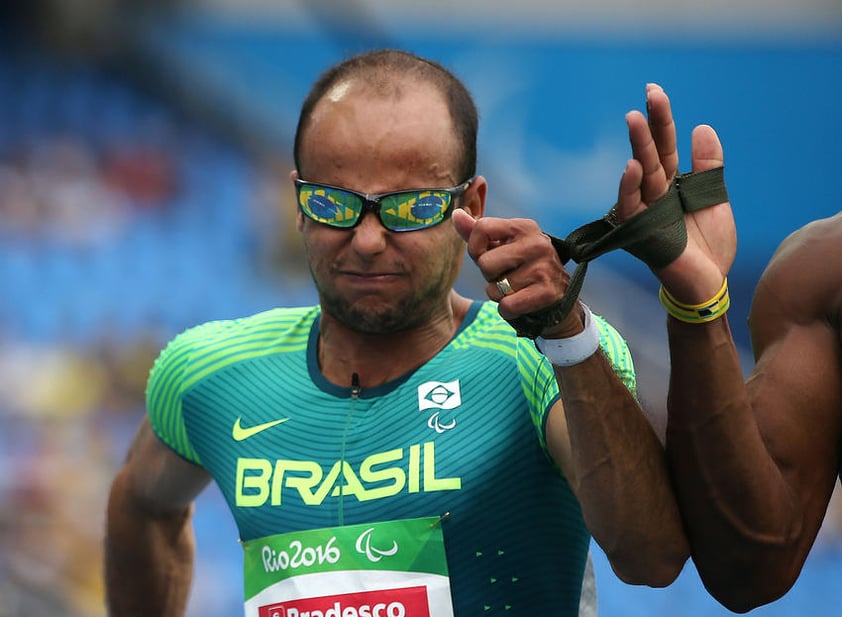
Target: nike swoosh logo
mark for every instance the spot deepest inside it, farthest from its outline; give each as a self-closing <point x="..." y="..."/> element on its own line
<point x="239" y="432"/>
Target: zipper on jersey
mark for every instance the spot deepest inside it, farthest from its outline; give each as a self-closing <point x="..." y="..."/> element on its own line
<point x="355" y="386"/>
<point x="355" y="395"/>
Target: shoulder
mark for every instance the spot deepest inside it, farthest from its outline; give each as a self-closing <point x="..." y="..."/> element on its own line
<point x="203" y="350"/>
<point x="489" y="330"/>
<point x="812" y="241"/>
<point x="803" y="280"/>
<point x="483" y="327"/>
<point x="233" y="340"/>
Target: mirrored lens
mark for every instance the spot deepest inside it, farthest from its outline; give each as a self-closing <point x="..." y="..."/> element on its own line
<point x="333" y="207"/>
<point x="414" y="209"/>
<point x="399" y="211"/>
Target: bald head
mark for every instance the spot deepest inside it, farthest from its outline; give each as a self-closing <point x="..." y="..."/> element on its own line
<point x="392" y="75"/>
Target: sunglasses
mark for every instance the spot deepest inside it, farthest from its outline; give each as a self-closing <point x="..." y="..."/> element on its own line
<point x="398" y="210"/>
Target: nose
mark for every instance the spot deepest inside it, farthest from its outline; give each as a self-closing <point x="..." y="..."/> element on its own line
<point x="369" y="235"/>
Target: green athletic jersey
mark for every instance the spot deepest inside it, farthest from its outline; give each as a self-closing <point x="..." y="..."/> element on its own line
<point x="462" y="436"/>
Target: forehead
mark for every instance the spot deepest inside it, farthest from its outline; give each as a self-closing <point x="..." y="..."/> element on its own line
<point x="365" y="128"/>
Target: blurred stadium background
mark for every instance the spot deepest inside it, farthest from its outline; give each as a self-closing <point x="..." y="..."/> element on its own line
<point x="144" y="159"/>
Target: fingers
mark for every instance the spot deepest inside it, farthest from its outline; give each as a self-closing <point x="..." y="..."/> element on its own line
<point x="662" y="126"/>
<point x="498" y="246"/>
<point x="653" y="181"/>
<point x="629" y="200"/>
<point x="480" y="243"/>
<point x="519" y="252"/>
<point x="654" y="144"/>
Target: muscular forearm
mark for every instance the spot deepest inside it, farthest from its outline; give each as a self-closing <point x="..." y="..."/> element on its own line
<point x="621" y="476"/>
<point x="148" y="558"/>
<point x="741" y="515"/>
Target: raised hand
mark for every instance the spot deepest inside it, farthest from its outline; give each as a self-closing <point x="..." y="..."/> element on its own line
<point x="711" y="244"/>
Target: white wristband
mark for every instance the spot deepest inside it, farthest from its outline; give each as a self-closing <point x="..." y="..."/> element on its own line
<point x="574" y="349"/>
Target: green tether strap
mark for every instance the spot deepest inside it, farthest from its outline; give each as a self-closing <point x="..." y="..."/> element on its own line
<point x="656" y="236"/>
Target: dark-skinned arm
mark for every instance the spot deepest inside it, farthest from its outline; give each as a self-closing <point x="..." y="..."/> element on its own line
<point x="618" y="470"/>
<point x="756" y="462"/>
<point x="149" y="544"/>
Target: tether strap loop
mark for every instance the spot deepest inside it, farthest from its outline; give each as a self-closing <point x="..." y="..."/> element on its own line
<point x="656" y="236"/>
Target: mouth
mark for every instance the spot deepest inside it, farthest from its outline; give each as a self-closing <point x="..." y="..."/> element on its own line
<point x="370" y="279"/>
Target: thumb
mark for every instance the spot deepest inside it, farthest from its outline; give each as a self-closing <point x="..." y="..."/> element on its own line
<point x="463" y="222"/>
<point x="707" y="150"/>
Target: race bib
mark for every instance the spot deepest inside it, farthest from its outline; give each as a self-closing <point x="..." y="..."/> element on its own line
<point x="389" y="569"/>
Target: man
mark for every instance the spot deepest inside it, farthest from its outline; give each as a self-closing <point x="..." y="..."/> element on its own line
<point x="397" y="449"/>
<point x="754" y="461"/>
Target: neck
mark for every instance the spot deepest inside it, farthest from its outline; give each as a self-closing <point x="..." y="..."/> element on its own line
<point x="380" y="358"/>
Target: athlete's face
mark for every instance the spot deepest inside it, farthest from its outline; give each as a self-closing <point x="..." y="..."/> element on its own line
<point x="369" y="278"/>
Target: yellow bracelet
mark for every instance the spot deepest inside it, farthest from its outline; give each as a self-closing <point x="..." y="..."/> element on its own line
<point x="703" y="312"/>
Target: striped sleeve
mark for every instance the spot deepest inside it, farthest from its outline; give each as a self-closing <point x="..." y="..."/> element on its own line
<point x="203" y="350"/>
<point x="166" y="387"/>
<point x="538" y="377"/>
<point x="617" y="351"/>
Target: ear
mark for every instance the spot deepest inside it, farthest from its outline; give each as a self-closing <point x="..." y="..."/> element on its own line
<point x="474" y="198"/>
